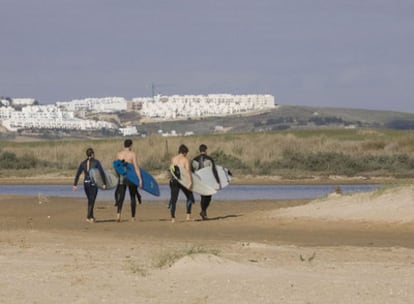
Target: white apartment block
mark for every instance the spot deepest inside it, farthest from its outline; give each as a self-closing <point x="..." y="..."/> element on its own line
<point x="97" y="105"/>
<point x="61" y="124"/>
<point x="4" y="102"/>
<point x="128" y="131"/>
<point x="23" y="101"/>
<point x="6" y="112"/>
<point x="172" y="107"/>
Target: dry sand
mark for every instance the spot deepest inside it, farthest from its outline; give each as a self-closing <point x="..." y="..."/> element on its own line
<point x="341" y="249"/>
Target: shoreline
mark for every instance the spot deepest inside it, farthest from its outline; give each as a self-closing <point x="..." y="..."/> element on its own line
<point x="247" y="180"/>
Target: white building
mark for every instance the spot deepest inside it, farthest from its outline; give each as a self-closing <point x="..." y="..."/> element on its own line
<point x="176" y="106"/>
<point x="47" y="117"/>
<point x="128" y="131"/>
<point x="57" y="123"/>
<point x="97" y="105"/>
<point x="23" y="101"/>
<point x="6" y="112"/>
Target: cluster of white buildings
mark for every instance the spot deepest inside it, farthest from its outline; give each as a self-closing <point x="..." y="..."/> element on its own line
<point x="190" y="106"/>
<point x="97" y="105"/>
<point x="17" y="114"/>
<point x="33" y="116"/>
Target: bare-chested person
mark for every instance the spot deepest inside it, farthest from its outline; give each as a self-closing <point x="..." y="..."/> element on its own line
<point x="181" y="160"/>
<point x="128" y="156"/>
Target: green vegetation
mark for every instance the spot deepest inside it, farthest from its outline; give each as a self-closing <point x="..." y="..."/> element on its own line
<point x="287" y="153"/>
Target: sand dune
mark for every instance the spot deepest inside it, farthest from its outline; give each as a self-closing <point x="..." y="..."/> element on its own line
<point x="394" y="205"/>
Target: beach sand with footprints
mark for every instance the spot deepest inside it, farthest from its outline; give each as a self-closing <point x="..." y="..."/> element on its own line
<point x="355" y="248"/>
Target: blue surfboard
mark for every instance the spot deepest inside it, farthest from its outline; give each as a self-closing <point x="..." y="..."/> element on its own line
<point x="126" y="169"/>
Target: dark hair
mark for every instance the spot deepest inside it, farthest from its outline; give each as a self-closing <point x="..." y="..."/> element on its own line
<point x="202" y="148"/>
<point x="182" y="149"/>
<point x="127" y="143"/>
<point x="89" y="152"/>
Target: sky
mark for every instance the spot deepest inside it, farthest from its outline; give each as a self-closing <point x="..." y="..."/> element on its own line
<point x="323" y="53"/>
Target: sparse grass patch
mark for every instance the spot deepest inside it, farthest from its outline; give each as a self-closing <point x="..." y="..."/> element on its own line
<point x="167" y="259"/>
<point x="136" y="268"/>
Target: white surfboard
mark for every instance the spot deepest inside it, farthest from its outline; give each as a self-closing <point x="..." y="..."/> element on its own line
<point x="207" y="176"/>
<point x="197" y="187"/>
<point x="111" y="178"/>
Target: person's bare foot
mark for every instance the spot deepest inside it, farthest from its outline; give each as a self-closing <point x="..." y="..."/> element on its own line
<point x="118" y="218"/>
<point x="173" y="220"/>
<point x="133" y="219"/>
<point x="188" y="218"/>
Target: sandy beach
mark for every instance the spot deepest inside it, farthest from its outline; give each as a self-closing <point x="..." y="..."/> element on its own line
<point x="355" y="248"/>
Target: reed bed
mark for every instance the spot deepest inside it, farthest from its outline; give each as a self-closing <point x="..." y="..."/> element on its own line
<point x="255" y="153"/>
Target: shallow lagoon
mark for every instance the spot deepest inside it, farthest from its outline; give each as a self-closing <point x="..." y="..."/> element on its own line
<point x="232" y="192"/>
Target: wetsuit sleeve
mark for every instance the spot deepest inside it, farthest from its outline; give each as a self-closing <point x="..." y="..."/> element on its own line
<point x="78" y="173"/>
<point x="195" y="165"/>
<point x="213" y="164"/>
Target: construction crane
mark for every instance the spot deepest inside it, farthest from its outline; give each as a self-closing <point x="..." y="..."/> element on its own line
<point x="156" y="86"/>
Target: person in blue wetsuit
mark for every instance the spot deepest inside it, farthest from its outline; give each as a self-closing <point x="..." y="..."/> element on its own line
<point x="181" y="160"/>
<point x="91" y="190"/>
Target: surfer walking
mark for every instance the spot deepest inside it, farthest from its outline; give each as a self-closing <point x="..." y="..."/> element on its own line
<point x="199" y="162"/>
<point x="181" y="165"/>
<point x="128" y="156"/>
<point x="91" y="189"/>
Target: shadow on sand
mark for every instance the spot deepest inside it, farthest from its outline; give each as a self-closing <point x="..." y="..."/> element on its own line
<point x="217" y="218"/>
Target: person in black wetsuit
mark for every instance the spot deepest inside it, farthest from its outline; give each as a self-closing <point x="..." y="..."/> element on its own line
<point x="127" y="156"/>
<point x="199" y="162"/>
<point x="181" y="160"/>
<point x="91" y="190"/>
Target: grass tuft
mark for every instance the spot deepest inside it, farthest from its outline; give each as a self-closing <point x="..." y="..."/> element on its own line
<point x="167" y="259"/>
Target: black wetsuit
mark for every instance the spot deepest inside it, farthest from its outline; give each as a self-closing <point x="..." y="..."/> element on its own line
<point x="175" y="188"/>
<point x="123" y="184"/>
<point x="199" y="162"/>
<point x="91" y="190"/>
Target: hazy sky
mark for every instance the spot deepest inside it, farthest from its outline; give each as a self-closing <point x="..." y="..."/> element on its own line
<point x="331" y="53"/>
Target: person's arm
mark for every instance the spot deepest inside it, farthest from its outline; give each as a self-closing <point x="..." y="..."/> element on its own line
<point x="216" y="176"/>
<point x="188" y="171"/>
<point x="138" y="171"/>
<point x="78" y="173"/>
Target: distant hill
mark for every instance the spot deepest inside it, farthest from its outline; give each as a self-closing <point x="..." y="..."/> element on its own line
<point x="280" y="118"/>
<point x="287" y="117"/>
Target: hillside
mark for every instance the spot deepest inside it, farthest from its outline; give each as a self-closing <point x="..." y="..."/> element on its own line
<point x="287" y="117"/>
<point x="280" y="118"/>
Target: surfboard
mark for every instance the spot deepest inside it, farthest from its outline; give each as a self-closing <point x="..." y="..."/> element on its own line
<point x="197" y="187"/>
<point x="150" y="184"/>
<point x="207" y="176"/>
<point x="111" y="178"/>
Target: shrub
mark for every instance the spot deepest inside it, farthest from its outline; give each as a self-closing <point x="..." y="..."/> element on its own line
<point x="228" y="161"/>
<point x="9" y="160"/>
